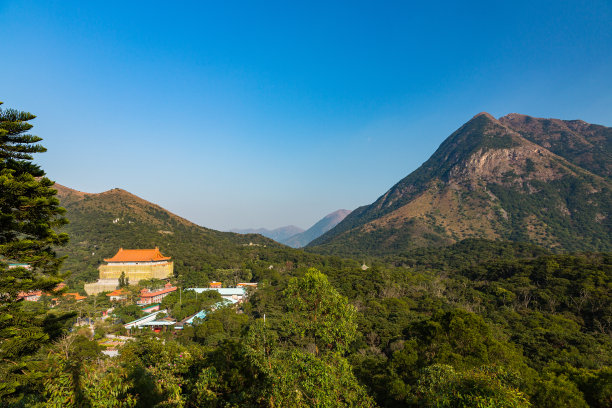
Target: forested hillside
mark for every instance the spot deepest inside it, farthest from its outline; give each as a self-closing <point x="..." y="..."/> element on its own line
<point x="100" y="224"/>
<point x="479" y="321"/>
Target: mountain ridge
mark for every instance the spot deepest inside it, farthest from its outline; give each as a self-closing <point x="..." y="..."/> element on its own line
<point x="468" y="189"/>
<point x="585" y="144"/>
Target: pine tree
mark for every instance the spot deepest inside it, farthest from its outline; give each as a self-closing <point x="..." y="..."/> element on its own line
<point x="29" y="216"/>
<point x="123" y="280"/>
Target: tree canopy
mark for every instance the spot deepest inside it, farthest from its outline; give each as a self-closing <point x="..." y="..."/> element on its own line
<point x="30" y="215"/>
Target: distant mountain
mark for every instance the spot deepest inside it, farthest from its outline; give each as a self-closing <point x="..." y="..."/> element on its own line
<point x="102" y="223"/>
<point x="321" y="227"/>
<point x="544" y="181"/>
<point x="278" y="234"/>
<point x="296" y="237"/>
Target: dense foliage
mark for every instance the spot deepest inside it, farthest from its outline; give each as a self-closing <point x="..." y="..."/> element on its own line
<point x="29" y="215"/>
<point x="515" y="327"/>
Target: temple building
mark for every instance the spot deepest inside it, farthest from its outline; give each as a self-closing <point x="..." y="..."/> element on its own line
<point x="135" y="265"/>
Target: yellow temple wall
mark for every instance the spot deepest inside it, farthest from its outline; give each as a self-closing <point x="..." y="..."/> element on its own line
<point x="136" y="273"/>
<point x="101" y="286"/>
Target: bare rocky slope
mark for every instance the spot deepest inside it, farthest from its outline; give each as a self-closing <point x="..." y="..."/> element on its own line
<point x="525" y="179"/>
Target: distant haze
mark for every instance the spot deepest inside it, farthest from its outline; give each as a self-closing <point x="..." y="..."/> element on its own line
<point x="295" y="236"/>
<point x="278" y="234"/>
<point x="327" y="223"/>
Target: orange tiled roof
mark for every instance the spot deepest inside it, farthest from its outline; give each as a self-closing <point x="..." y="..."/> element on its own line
<point x="117" y="292"/>
<point x="138" y="255"/>
<point x="59" y="287"/>
<point x="75" y="295"/>
<point x="22" y="295"/>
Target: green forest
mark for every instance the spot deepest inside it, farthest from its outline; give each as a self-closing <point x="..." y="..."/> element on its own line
<point x="479" y="323"/>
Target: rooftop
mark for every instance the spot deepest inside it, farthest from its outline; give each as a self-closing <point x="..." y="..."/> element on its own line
<point x="145" y="319"/>
<point x="138" y="255"/>
<point x="117" y="292"/>
<point x="166" y="289"/>
<point x="75" y="295"/>
<point x="222" y="291"/>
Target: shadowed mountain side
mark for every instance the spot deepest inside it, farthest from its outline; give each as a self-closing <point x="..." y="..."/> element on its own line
<point x="321" y="227"/>
<point x="484" y="181"/>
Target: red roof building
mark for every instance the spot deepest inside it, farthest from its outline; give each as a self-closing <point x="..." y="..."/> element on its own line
<point x="147" y="296"/>
<point x="32" y="296"/>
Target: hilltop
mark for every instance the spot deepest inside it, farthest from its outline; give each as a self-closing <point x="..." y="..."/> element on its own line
<point x="493" y="179"/>
<point x="102" y="223"/>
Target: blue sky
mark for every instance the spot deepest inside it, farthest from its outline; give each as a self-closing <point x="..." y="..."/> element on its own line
<point x="250" y="114"/>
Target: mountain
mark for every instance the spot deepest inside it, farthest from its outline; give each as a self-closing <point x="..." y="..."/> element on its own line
<point x="102" y="223"/>
<point x="518" y="178"/>
<point x="279" y="234"/>
<point x="321" y="227"/>
<point x="296" y="237"/>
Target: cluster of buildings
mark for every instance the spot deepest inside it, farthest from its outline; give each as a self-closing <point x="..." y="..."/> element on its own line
<point x="230" y="296"/>
<point x="134" y="265"/>
<point x="35" y="295"/>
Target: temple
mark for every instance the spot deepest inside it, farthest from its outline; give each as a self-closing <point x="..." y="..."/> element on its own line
<point x="135" y="265"/>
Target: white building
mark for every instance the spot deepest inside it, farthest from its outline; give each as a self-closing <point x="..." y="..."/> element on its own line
<point x="234" y="295"/>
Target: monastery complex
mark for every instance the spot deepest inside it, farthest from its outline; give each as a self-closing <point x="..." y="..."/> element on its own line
<point x="136" y="264"/>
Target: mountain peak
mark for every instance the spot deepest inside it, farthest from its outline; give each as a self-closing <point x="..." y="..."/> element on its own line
<point x="485" y="114"/>
<point x="116" y="191"/>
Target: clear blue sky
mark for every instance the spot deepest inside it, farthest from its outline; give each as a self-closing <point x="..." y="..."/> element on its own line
<point x="249" y="114"/>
